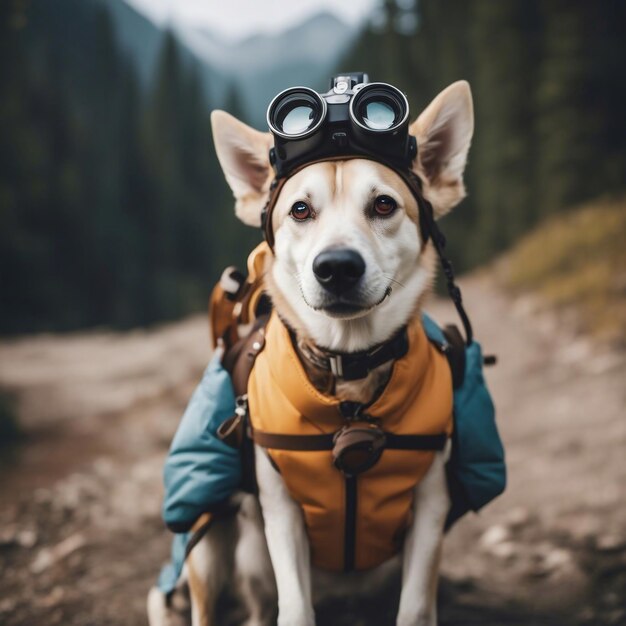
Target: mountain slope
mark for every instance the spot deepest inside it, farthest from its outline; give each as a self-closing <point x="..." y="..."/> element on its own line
<point x="576" y="263"/>
<point x="257" y="67"/>
<point x="143" y="40"/>
<point x="263" y="65"/>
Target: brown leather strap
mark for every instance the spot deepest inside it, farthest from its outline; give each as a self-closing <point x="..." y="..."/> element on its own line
<point x="239" y="360"/>
<point x="455" y="353"/>
<point x="305" y="443"/>
<point x="231" y="431"/>
<point x="204" y="522"/>
<point x="316" y="443"/>
<point x="198" y="531"/>
<point x="416" y="442"/>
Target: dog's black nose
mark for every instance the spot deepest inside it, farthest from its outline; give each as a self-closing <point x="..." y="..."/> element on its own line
<point x="338" y="269"/>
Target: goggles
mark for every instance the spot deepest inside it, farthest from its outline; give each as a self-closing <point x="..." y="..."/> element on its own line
<point x="354" y="118"/>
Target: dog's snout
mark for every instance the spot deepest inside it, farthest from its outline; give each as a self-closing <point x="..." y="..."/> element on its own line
<point x="338" y="269"/>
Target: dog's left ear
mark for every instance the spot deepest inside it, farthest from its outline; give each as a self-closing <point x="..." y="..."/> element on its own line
<point x="444" y="132"/>
<point x="244" y="156"/>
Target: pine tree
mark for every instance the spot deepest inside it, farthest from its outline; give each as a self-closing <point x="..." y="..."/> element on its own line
<point x="503" y="41"/>
<point x="566" y="123"/>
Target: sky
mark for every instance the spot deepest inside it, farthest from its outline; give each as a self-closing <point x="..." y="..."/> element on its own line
<point x="237" y="19"/>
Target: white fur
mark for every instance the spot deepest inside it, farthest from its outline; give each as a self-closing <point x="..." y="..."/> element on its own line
<point x="288" y="545"/>
<point x="289" y="549"/>
<point x="339" y="194"/>
<point x="422" y="547"/>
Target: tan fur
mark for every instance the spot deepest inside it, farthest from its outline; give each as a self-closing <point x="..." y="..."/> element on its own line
<point x="243" y="155"/>
<point x="198" y="591"/>
<point x="442" y="149"/>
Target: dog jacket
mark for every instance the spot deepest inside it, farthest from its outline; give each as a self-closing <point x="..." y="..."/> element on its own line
<point x="202" y="471"/>
<point x="353" y="522"/>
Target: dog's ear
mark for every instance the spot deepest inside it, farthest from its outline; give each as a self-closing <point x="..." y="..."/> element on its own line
<point x="444" y="132"/>
<point x="244" y="156"/>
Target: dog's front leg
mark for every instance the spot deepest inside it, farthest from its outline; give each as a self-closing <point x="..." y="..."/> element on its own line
<point x="422" y="548"/>
<point x="288" y="545"/>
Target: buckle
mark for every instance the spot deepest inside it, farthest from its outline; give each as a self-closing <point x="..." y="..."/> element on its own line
<point x="336" y="365"/>
<point x="358" y="447"/>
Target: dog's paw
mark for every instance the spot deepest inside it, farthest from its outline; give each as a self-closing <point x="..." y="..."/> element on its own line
<point x="158" y="611"/>
<point x="423" y="618"/>
<point x="293" y="618"/>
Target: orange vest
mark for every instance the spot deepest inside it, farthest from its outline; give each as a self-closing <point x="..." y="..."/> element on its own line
<point x="357" y="522"/>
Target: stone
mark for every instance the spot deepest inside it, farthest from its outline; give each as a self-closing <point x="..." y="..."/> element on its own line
<point x="494" y="535"/>
<point x="47" y="557"/>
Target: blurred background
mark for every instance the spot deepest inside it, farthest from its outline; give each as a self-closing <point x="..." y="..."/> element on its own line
<point x="115" y="222"/>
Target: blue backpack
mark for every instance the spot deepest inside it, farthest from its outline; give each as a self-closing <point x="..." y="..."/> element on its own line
<point x="476" y="470"/>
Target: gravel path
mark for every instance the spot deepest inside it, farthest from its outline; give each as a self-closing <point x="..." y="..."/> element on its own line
<point x="81" y="539"/>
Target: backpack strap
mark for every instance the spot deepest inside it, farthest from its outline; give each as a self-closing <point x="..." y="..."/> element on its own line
<point x="326" y="441"/>
<point x="454" y="351"/>
<point x="236" y="431"/>
<point x="238" y="300"/>
<point x="239" y="360"/>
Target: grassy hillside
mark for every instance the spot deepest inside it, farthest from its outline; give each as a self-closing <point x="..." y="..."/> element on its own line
<point x="577" y="260"/>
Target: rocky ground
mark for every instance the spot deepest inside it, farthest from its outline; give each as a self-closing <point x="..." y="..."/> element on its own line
<point x="81" y="539"/>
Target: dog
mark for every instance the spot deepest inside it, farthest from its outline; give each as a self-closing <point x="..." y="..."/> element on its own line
<point x="365" y="211"/>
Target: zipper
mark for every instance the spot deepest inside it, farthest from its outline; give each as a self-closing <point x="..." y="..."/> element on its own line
<point x="350" y="411"/>
<point x="350" y="524"/>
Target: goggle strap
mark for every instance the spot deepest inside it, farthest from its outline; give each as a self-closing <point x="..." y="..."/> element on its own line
<point x="439" y="241"/>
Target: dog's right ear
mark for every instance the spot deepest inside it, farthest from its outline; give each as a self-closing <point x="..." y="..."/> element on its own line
<point x="244" y="156"/>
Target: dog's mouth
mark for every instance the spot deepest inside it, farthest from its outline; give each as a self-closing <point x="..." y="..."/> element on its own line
<point x="342" y="307"/>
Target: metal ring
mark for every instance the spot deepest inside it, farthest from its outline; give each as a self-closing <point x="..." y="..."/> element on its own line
<point x="280" y="96"/>
<point x="363" y="91"/>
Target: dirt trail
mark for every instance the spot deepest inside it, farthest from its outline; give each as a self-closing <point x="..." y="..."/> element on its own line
<point x="80" y="535"/>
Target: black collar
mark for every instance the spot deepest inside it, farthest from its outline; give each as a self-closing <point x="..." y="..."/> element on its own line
<point x="356" y="365"/>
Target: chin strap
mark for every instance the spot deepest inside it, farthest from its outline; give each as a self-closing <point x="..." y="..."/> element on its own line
<point x="439" y="241"/>
<point x="430" y="230"/>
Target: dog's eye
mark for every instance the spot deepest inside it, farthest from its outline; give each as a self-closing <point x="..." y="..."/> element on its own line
<point x="384" y="206"/>
<point x="301" y="211"/>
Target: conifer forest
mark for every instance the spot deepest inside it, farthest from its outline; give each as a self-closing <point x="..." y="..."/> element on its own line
<point x="113" y="209"/>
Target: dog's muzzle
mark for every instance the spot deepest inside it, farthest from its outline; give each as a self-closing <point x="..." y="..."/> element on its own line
<point x="338" y="269"/>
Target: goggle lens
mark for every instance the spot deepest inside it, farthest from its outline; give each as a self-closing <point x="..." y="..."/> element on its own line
<point x="377" y="115"/>
<point x="295" y="113"/>
<point x="297" y="120"/>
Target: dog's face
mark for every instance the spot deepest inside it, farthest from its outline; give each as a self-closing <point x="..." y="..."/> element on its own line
<point x="349" y="267"/>
<point x="347" y="251"/>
